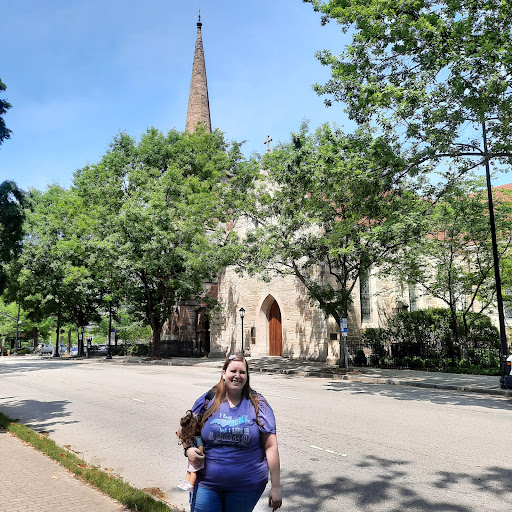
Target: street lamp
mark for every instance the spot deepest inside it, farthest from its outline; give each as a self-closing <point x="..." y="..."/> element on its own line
<point x="242" y="314"/>
<point x="496" y="261"/>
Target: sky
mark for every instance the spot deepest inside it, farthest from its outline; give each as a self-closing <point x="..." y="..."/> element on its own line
<point x="78" y="73"/>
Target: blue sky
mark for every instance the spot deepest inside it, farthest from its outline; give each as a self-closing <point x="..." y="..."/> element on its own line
<point x="77" y="73"/>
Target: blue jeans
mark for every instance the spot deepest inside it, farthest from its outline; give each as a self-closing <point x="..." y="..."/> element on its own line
<point x="208" y="500"/>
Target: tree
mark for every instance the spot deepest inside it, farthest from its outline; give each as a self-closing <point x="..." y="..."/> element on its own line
<point x="55" y="275"/>
<point x="156" y="210"/>
<point x="12" y="215"/>
<point x="437" y="72"/>
<point x="331" y="207"/>
<point x="454" y="263"/>
<point x="5" y="133"/>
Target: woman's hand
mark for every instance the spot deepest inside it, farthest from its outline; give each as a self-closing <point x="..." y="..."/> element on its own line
<point x="274" y="498"/>
<point x="272" y="453"/>
<point x="194" y="455"/>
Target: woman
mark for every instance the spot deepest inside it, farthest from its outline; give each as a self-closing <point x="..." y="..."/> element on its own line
<point x="239" y="433"/>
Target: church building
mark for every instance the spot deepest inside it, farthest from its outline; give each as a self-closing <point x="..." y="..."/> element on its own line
<point x="274" y="318"/>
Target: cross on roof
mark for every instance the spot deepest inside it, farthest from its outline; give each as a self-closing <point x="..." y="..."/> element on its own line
<point x="267" y="142"/>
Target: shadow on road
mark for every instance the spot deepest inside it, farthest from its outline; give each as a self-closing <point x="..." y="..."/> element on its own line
<point x="385" y="486"/>
<point x="39" y="416"/>
<point x="21" y="365"/>
<point x="435" y="396"/>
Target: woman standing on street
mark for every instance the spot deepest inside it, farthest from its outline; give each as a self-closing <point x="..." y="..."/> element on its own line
<point x="239" y="433"/>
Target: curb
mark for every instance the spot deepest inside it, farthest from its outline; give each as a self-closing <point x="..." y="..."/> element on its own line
<point x="378" y="380"/>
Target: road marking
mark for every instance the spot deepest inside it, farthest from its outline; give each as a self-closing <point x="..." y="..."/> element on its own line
<point x="137" y="400"/>
<point x="328" y="451"/>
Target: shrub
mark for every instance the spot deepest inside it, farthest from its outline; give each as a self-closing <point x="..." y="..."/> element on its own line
<point x="417" y="362"/>
<point x="376" y="338"/>
<point x="374" y="360"/>
<point x="397" y="362"/>
<point x="432" y="364"/>
<point x="360" y="358"/>
<point x="463" y="363"/>
<point x="140" y="349"/>
<point x="406" y="362"/>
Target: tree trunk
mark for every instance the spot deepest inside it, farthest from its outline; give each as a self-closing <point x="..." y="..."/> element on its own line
<point x="156" y="331"/>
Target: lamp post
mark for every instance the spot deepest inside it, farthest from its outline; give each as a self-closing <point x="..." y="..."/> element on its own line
<point x="496" y="261"/>
<point x="242" y="314"/>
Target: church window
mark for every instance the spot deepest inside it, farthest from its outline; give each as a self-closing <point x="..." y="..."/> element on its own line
<point x="364" y="296"/>
<point x="413" y="297"/>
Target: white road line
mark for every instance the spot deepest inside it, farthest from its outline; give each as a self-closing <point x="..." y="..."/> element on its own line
<point x="137" y="400"/>
<point x="328" y="451"/>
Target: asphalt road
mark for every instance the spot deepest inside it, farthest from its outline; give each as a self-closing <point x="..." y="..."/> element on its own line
<point x="344" y="446"/>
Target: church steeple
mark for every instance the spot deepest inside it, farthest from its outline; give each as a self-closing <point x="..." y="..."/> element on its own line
<point x="198" y="104"/>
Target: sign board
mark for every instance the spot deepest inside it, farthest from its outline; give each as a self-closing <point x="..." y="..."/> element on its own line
<point x="344" y="326"/>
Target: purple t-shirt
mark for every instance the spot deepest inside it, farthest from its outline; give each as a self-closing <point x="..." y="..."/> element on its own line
<point x="234" y="457"/>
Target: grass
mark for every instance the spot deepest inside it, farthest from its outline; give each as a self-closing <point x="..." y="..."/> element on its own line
<point x="110" y="484"/>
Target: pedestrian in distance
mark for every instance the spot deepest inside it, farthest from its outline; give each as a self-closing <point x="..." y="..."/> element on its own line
<point x="190" y="435"/>
<point x="240" y="445"/>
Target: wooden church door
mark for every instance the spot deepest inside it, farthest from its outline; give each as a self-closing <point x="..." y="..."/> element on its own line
<point x="275" y="336"/>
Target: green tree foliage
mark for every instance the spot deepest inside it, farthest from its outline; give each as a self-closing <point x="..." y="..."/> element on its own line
<point x="156" y="210"/>
<point x="12" y="215"/>
<point x="437" y="72"/>
<point x="56" y="273"/>
<point x="331" y="206"/>
<point x="454" y="263"/>
<point x="5" y="133"/>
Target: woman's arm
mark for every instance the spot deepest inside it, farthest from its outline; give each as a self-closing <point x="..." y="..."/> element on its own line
<point x="272" y="453"/>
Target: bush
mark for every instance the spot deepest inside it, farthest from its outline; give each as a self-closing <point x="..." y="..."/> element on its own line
<point x="139" y="349"/>
<point x="407" y="362"/>
<point x="417" y="363"/>
<point x="432" y="364"/>
<point x="463" y="363"/>
<point x="360" y="358"/>
<point x="374" y="360"/>
<point x="376" y="338"/>
<point x="397" y="362"/>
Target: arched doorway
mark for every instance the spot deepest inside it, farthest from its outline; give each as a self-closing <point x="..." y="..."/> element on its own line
<point x="275" y="335"/>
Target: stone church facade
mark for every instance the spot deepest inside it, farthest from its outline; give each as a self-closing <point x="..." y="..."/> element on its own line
<point x="279" y="318"/>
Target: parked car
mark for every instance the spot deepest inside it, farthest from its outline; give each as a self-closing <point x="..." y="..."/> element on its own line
<point x="73" y="352"/>
<point x="43" y="348"/>
<point x="101" y="350"/>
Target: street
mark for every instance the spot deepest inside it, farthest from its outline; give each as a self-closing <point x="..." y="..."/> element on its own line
<point x="344" y="446"/>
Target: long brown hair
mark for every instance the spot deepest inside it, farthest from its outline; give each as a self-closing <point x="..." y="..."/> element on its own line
<point x="220" y="390"/>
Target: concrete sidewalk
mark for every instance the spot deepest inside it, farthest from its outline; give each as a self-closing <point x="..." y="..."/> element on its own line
<point x="32" y="482"/>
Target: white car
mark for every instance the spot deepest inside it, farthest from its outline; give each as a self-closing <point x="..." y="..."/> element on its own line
<point x="43" y="348"/>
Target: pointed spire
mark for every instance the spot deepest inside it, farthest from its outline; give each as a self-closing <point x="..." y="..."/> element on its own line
<point x="198" y="104"/>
